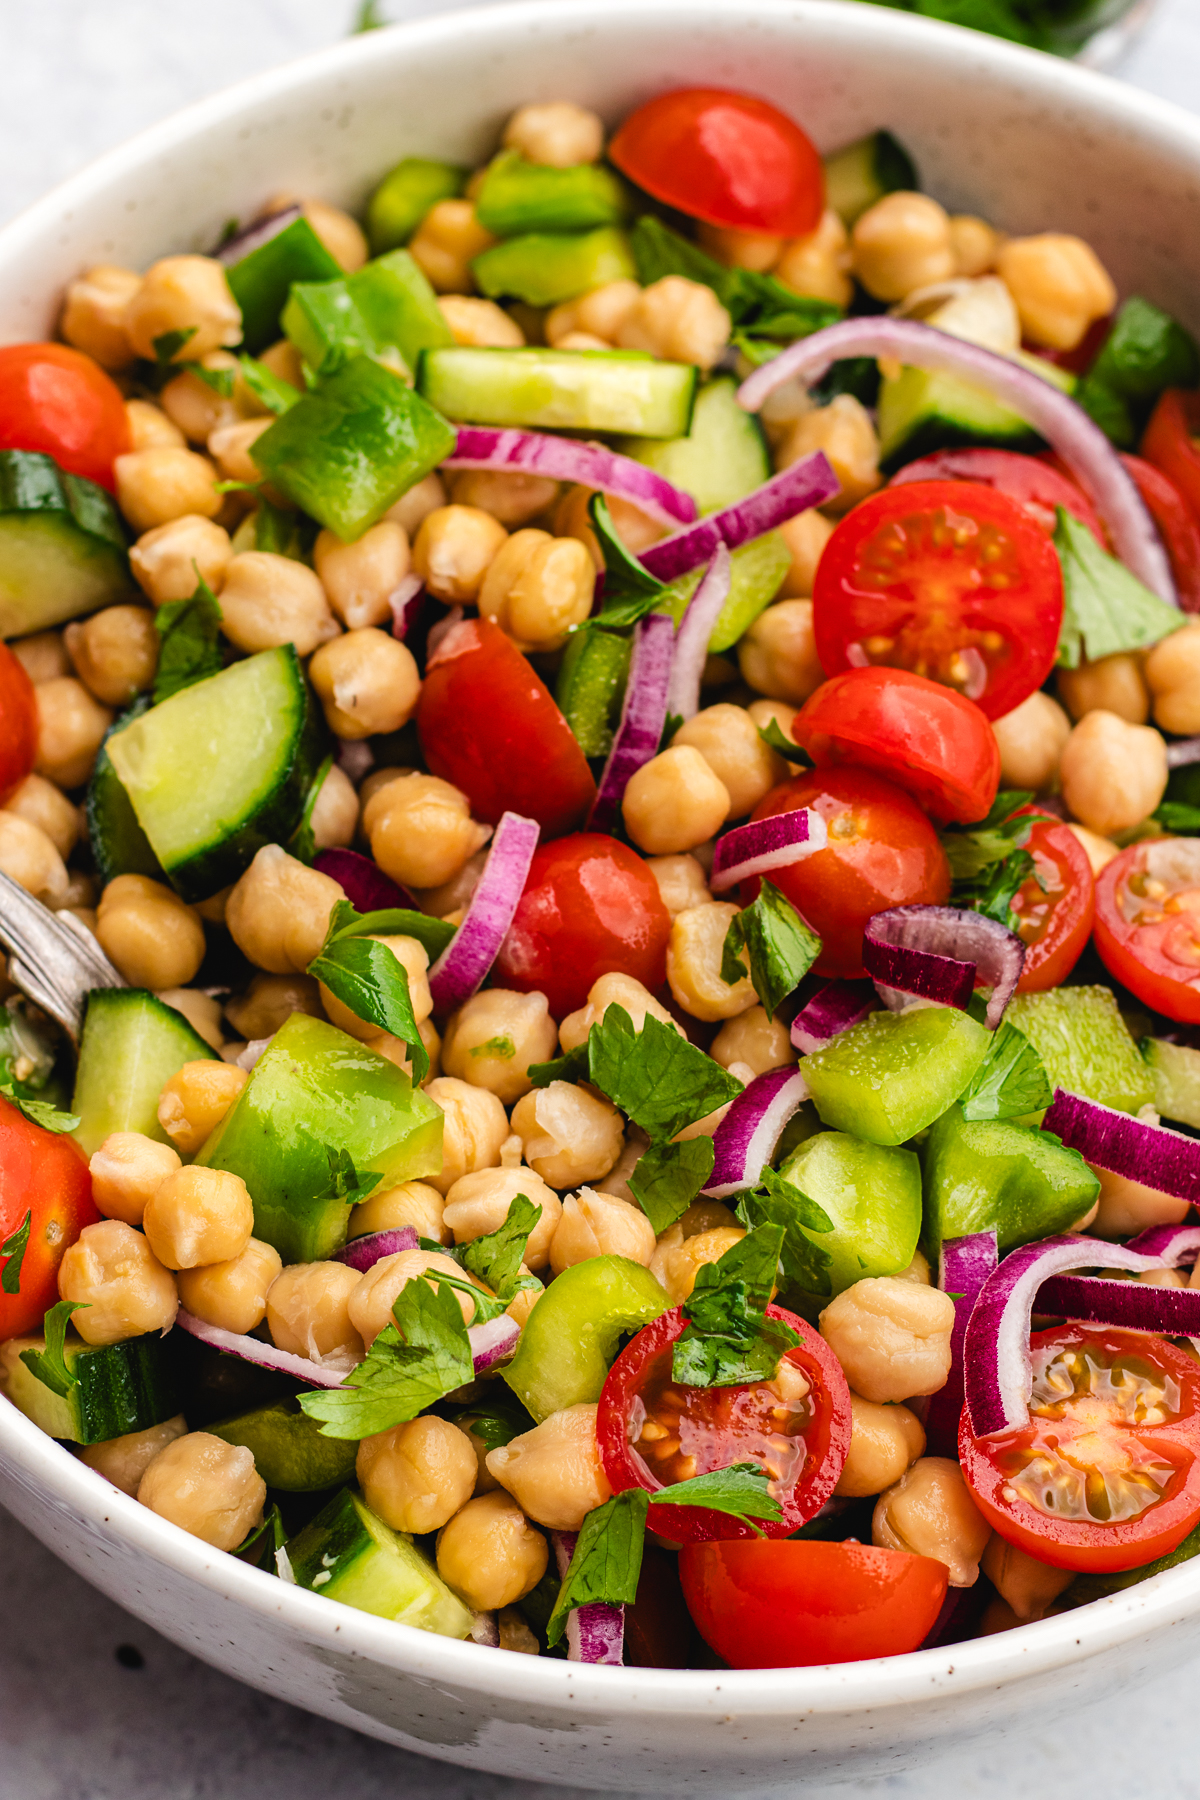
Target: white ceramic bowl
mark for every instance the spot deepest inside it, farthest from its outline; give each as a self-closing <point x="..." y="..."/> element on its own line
<point x="1027" y="142"/>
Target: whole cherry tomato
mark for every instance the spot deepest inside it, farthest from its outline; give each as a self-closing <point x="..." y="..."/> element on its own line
<point x="1147" y="929"/>
<point x="805" y="1437"/>
<point x="1169" y="442"/>
<point x="489" y="725"/>
<point x="1086" y="1484"/>
<point x="926" y="738"/>
<point x="948" y="578"/>
<point x="792" y="1605"/>
<point x="1178" y="527"/>
<point x="18" y="723"/>
<point x="1056" y="907"/>
<point x="1033" y="482"/>
<point x="882" y="851"/>
<point x="727" y="158"/>
<point x="59" y="401"/>
<point x="43" y="1180"/>
<point x="590" y="907"/>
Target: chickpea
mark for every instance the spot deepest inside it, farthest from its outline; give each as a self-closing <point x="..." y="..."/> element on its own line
<point x="930" y="1512"/>
<point x="207" y="1487"/>
<point x="728" y="740"/>
<point x="360" y="578"/>
<point x="843" y="430"/>
<point x="681" y="881"/>
<point x="901" y="243"/>
<point x="678" y="319"/>
<point x="1113" y="684"/>
<point x="758" y="251"/>
<point x="150" y="428"/>
<point x="598" y="1224"/>
<point x="42" y="655"/>
<point x="976" y="245"/>
<point x="199" y="1216"/>
<point x="1100" y="851"/>
<point x="375" y="1293"/>
<point x="166" y="560"/>
<point x="1172" y="671"/>
<point x="115" y="652"/>
<point x="554" y="1471"/>
<point x="694" y="963"/>
<point x="445" y="244"/>
<point x="367" y="683"/>
<point x="537" y="587"/>
<point x="755" y="1040"/>
<point x="230" y="448"/>
<point x="600" y="313"/>
<point x="195" y="1100"/>
<point x="148" y="933"/>
<point x="778" y="655"/>
<point x="493" y="1038"/>
<point x="454" y="549"/>
<point x="308" y="1313"/>
<point x="515" y="1634"/>
<point x="1128" y="1206"/>
<point x="570" y="1134"/>
<point x="679" y="1256"/>
<point x="884" y="1440"/>
<point x="806" y="536"/>
<point x="612" y="990"/>
<point x="1031" y="739"/>
<point x="412" y="508"/>
<point x="1113" y="774"/>
<point x="474" y="1130"/>
<point x="232" y="1294"/>
<point x="478" y="1204"/>
<point x="268" y="600"/>
<point x="891" y="1336"/>
<point x="421" y="830"/>
<point x="480" y="322"/>
<point x="918" y="1271"/>
<point x="71" y="726"/>
<point x="1028" y="1586"/>
<point x="272" y="999"/>
<point x="417" y="1475"/>
<point x="556" y="133"/>
<point x="334" y="817"/>
<point x="674" y="802"/>
<point x="1060" y="287"/>
<point x="40" y="803"/>
<point x="158" y="485"/>
<point x="93" y="318"/>
<point x="184" y="293"/>
<point x="124" y="1460"/>
<point x="508" y="495"/>
<point x="818" y="265"/>
<point x="489" y="1554"/>
<point x="278" y="913"/>
<point x="196" y="408"/>
<point x="126" y="1170"/>
<point x="415" y="1203"/>
<point x="114" y="1274"/>
<point x="28" y="857"/>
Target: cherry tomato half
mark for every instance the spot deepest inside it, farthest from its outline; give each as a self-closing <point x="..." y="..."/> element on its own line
<point x="57" y="400"/>
<point x="1037" y="485"/>
<point x="727" y="158"/>
<point x="926" y="738"/>
<point x="948" y="578"/>
<point x="882" y="851"/>
<point x="590" y="907"/>
<point x="711" y="1428"/>
<point x="489" y="725"/>
<point x="1170" y="442"/>
<point x="45" y="1176"/>
<point x="1106" y="1475"/>
<point x="18" y="723"/>
<point x="1056" y="907"/>
<point x="792" y="1605"/>
<point x="1148" y="927"/>
<point x="1178" y="527"/>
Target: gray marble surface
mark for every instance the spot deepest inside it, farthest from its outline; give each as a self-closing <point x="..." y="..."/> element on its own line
<point x="93" y="1705"/>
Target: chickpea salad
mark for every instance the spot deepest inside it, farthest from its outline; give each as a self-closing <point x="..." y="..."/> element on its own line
<point x="599" y="719"/>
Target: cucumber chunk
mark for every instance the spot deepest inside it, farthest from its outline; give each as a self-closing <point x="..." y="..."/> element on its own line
<point x="996" y="1175"/>
<point x="544" y="268"/>
<point x="132" y="1043"/>
<point x="350" y="1555"/>
<point x="1085" y="1045"/>
<point x="872" y="1193"/>
<point x="574" y="1332"/>
<point x="121" y="1387"/>
<point x="565" y="390"/>
<point x="119" y="845"/>
<point x="290" y="1452"/>
<point x="1175" y="1076"/>
<point x="62" y="545"/>
<point x="756" y="572"/>
<point x="222" y="768"/>
<point x="894" y="1074"/>
<point x="922" y="410"/>
<point x="722" y="458"/>
<point x="862" y="173"/>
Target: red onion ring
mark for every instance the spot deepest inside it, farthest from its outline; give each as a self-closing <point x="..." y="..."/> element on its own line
<point x="838" y="1006"/>
<point x="1133" y="1305"/>
<point x="744" y="1142"/>
<point x="595" y="1632"/>
<point x="643" y="715"/>
<point x="363" y="882"/>
<point x="354" y="758"/>
<point x="691" y="639"/>
<point x="1150" y="1154"/>
<point x="494" y="1342"/>
<point x="567" y="459"/>
<point x="253" y="236"/>
<point x="809" y="482"/>
<point x="966" y="1264"/>
<point x="406" y="601"/>
<point x="765" y="844"/>
<point x="364" y="1252"/>
<point x="939" y="953"/>
<point x="266" y="1356"/>
<point x="460" y="970"/>
<point x="1173" y="1245"/>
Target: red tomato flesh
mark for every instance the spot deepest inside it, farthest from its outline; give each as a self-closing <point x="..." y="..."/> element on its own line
<point x="882" y="851"/>
<point x="1056" y="907"/>
<point x="1148" y="924"/>
<point x="57" y="400"/>
<point x="950" y="579"/>
<point x="653" y="1432"/>
<point x="1178" y="527"/>
<point x="1170" y="442"/>
<point x="1106" y="1474"/>
<point x="45" y="1175"/>
<point x="794" y="1605"/>
<point x="730" y="159"/>
<point x="18" y="723"/>
<point x="489" y="725"/>
<point x="926" y="738"/>
<point x="1037" y="485"/>
<point x="590" y="907"/>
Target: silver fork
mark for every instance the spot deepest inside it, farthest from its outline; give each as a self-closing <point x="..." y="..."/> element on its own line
<point x="52" y="957"/>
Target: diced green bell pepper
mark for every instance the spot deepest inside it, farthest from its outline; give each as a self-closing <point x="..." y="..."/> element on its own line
<point x="1146" y="351"/>
<point x="385" y="307"/>
<point x="290" y="1450"/>
<point x="261" y="280"/>
<point x="872" y="1192"/>
<point x="544" y="268"/>
<point x="981" y="1175"/>
<point x="756" y="573"/>
<point x="517" y="196"/>
<point x="314" y="1089"/>
<point x="570" y="1338"/>
<point x="591" y="682"/>
<point x="894" y="1074"/>
<point x="405" y="195"/>
<point x="1085" y="1045"/>
<point x="347" y="452"/>
<point x="1086" y="1588"/>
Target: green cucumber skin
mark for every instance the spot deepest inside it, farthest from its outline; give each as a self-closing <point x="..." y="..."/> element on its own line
<point x="289" y="1449"/>
<point x="121" y="1388"/>
<point x="724" y="456"/>
<point x="862" y="173"/>
<point x="260" y="282"/>
<point x="892" y="1076"/>
<point x="349" y="1555"/>
<point x="570" y="1338"/>
<point x="62" y="545"/>
<point x="405" y="195"/>
<point x="132" y="1043"/>
<point x="568" y="390"/>
<point x="119" y="845"/>
<point x="591" y="681"/>
<point x="981" y="1175"/>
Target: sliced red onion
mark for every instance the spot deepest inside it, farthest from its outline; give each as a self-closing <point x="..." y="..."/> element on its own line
<point x="566" y="459"/>
<point x="1173" y="1245"/>
<point x="484" y="1630"/>
<point x="355" y="758"/>
<point x="247" y="1057"/>
<point x="406" y="600"/>
<point x="765" y="844"/>
<point x="643" y="715"/>
<point x="939" y="953"/>
<point x="1150" y="1154"/>
<point x="838" y="1006"/>
<point x="439" y="633"/>
<point x="691" y="639"/>
<point x="363" y="882"/>
<point x="255" y="235"/>
<point x="744" y="1142"/>
<point x="966" y="1264"/>
<point x="809" y="482"/>
<point x="460" y="970"/>
<point x="596" y="1632"/>
<point x="494" y="1342"/>
<point x="266" y="1356"/>
<point x="998" y="1373"/>
<point x="364" y="1252"/>
<point x="1181" y="755"/>
<point x="1065" y="426"/>
<point x="1133" y="1305"/>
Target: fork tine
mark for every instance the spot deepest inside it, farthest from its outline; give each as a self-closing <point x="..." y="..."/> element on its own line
<point x="52" y="957"/>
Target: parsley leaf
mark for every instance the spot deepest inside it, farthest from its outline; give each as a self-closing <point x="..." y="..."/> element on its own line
<point x="345" y="1182"/>
<point x="189" y="641"/>
<point x="38" y="1112"/>
<point x="219" y="380"/>
<point x="988" y="861"/>
<point x="49" y="1365"/>
<point x="743" y="1490"/>
<point x="773" y="737"/>
<point x="1105" y="608"/>
<point x="1178" y="817"/>
<point x="607" y="1560"/>
<point x="13" y="1248"/>
<point x="804" y="1265"/>
<point x="497" y="1420"/>
<point x="345" y="921"/>
<point x="728" y="1339"/>
<point x="1010" y="1082"/>
<point x="656" y="1076"/>
<point x="411" y="1364"/>
<point x="781" y="948"/>
<point x="761" y="305"/>
<point x="270" y="390"/>
<point x="262" y="1542"/>
<point x="630" y="590"/>
<point x="168" y="344"/>
<point x="667" y="1178"/>
<point x="282" y="532"/>
<point x="368" y="978"/>
<point x="571" y="1067"/>
<point x="496" y="1258"/>
<point x="302" y="844"/>
<point x="368" y="18"/>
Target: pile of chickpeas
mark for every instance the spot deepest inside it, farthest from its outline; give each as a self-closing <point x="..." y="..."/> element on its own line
<point x="519" y="548"/>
